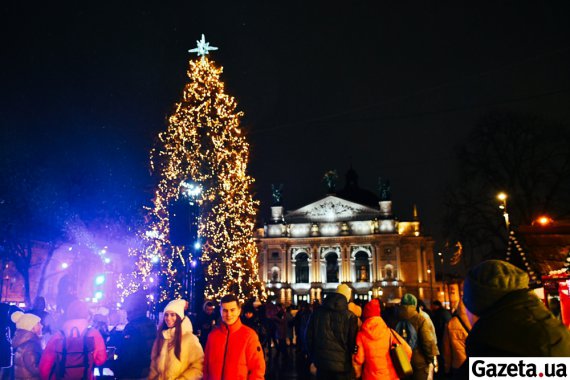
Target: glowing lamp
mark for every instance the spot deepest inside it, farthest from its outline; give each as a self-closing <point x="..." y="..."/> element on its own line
<point x="544" y="220"/>
<point x="99" y="280"/>
<point x="64" y="265"/>
<point x="502" y="196"/>
<point x="98" y="295"/>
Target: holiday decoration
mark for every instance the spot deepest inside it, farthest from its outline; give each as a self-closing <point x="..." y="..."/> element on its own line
<point x="202" y="148"/>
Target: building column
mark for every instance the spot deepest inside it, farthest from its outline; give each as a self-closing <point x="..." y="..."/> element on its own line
<point x="373" y="261"/>
<point x="265" y="264"/>
<point x="399" y="272"/>
<point x="292" y="276"/>
<point x="316" y="260"/>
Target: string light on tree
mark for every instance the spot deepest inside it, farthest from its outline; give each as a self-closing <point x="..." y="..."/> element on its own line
<point x="203" y="143"/>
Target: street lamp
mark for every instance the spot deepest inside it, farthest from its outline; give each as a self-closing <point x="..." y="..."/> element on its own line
<point x="502" y="197"/>
<point x="430" y="283"/>
<point x="442" y="275"/>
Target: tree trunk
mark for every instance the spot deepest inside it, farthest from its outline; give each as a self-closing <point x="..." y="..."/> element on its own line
<point x="26" y="277"/>
<point x="42" y="280"/>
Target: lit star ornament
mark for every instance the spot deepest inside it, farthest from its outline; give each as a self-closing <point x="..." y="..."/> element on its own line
<point x="202" y="47"/>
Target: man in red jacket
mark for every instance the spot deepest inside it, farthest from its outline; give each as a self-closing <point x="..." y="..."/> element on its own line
<point x="233" y="350"/>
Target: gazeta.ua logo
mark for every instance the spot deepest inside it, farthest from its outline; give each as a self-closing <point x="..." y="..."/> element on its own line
<point x="518" y="368"/>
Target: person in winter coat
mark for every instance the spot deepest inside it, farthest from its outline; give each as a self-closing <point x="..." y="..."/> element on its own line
<point x="27" y="345"/>
<point x="453" y="341"/>
<point x="373" y="343"/>
<point x="135" y="347"/>
<point x="206" y="321"/>
<point x="76" y="322"/>
<point x="176" y="353"/>
<point x="233" y="350"/>
<point x="425" y="351"/>
<point x="250" y="319"/>
<point x="354" y="308"/>
<point x="512" y="319"/>
<point x="331" y="338"/>
<point x="7" y="330"/>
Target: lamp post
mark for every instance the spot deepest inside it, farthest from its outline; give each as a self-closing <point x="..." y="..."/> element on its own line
<point x="502" y="197"/>
<point x="192" y="192"/>
<point x="442" y="276"/>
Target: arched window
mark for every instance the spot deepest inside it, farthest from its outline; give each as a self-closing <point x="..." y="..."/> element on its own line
<point x="275" y="274"/>
<point x="361" y="267"/>
<point x="302" y="268"/>
<point x="332" y="267"/>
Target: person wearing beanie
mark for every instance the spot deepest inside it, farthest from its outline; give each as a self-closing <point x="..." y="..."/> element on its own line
<point x="135" y="345"/>
<point x="27" y="345"/>
<point x="233" y="350"/>
<point x="346" y="291"/>
<point x="76" y="325"/>
<point x="331" y="337"/>
<point x="512" y="320"/>
<point x="373" y="343"/>
<point x="176" y="353"/>
<point x="424" y="349"/>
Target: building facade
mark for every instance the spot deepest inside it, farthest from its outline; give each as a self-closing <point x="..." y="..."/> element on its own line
<point x="342" y="238"/>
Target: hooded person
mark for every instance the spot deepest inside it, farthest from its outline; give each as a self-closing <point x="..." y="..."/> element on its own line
<point x="373" y="343"/>
<point x="56" y="362"/>
<point x="512" y="320"/>
<point x="27" y="345"/>
<point x="331" y="338"/>
<point x="134" y="350"/>
<point x="424" y="350"/>
<point x="176" y="352"/>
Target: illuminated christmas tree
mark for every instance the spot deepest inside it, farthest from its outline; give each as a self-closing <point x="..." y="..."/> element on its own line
<point x="203" y="148"/>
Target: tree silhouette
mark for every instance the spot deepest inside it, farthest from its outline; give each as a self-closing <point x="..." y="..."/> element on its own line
<point x="523" y="155"/>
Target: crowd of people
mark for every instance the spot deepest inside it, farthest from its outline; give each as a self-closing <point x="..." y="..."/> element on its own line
<point x="338" y="339"/>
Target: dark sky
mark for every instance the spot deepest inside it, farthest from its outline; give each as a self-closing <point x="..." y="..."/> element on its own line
<point x="389" y="86"/>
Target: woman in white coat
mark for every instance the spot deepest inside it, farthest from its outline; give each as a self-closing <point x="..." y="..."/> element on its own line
<point x="176" y="353"/>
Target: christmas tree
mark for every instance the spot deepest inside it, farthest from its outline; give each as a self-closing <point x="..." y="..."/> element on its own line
<point x="203" y="148"/>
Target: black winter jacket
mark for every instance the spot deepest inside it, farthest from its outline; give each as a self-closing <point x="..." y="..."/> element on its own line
<point x="331" y="335"/>
<point x="134" y="351"/>
<point x="518" y="325"/>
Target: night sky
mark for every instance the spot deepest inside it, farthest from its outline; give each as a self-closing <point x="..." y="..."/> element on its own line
<point x="389" y="86"/>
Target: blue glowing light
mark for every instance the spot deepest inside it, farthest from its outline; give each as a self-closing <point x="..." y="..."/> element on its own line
<point x="154" y="259"/>
<point x="99" y="280"/>
<point x="197" y="245"/>
<point x="98" y="295"/>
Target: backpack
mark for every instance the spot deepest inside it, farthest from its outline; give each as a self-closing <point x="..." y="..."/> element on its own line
<point x="408" y="332"/>
<point x="75" y="356"/>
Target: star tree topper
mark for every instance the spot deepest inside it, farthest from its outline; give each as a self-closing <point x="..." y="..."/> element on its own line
<point x="202" y="47"/>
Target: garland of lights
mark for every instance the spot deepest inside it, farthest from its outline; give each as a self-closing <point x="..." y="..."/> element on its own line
<point x="203" y="144"/>
<point x="515" y="246"/>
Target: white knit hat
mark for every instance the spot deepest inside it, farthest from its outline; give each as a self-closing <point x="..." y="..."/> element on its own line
<point x="25" y="321"/>
<point x="177" y="306"/>
<point x="345" y="291"/>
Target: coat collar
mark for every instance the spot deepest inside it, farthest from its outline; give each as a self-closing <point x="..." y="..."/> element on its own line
<point x="232" y="328"/>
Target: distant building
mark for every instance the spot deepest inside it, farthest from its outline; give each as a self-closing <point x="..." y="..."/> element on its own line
<point x="351" y="237"/>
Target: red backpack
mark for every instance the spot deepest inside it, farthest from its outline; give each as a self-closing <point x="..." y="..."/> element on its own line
<point x="75" y="356"/>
